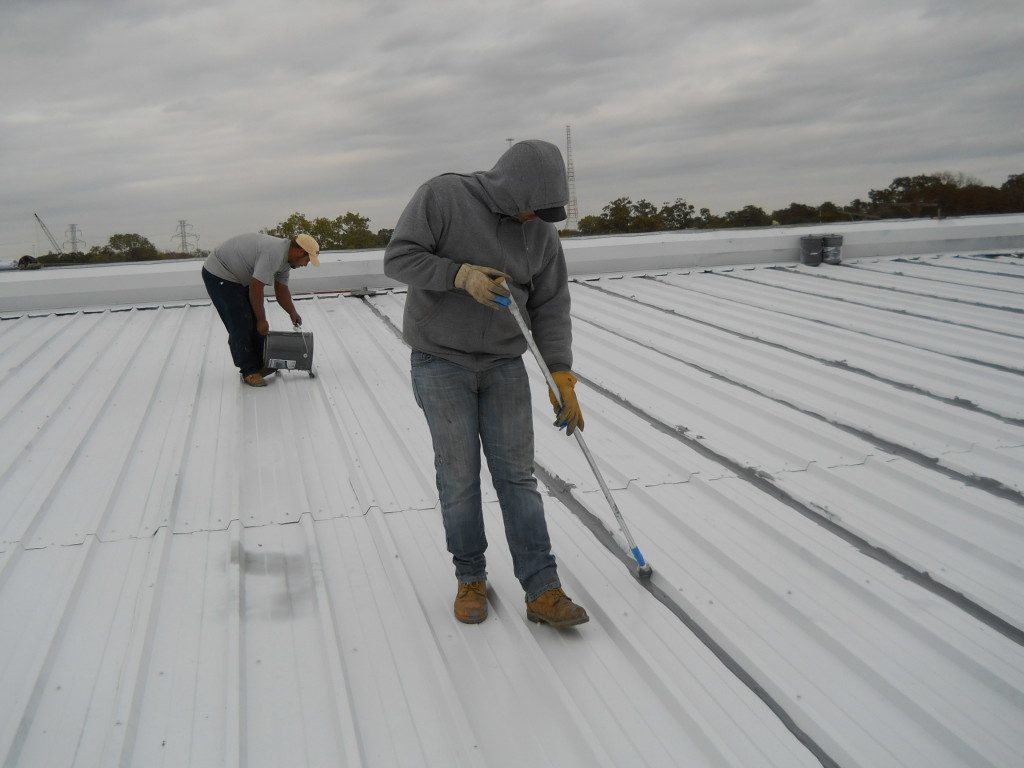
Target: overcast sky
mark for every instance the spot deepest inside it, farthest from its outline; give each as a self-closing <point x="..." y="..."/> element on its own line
<point x="128" y="116"/>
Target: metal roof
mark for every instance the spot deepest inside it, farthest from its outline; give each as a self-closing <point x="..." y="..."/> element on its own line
<point x="825" y="466"/>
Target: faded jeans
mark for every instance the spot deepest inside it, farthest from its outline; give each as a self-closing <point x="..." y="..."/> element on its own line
<point x="231" y="301"/>
<point x="466" y="409"/>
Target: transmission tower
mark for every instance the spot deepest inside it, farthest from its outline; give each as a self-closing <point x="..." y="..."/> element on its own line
<point x="74" y="238"/>
<point x="510" y="141"/>
<point x="184" y="235"/>
<point x="572" y="220"/>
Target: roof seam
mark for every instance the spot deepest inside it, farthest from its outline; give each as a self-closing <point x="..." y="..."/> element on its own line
<point x="764" y="482"/>
<point x="990" y="485"/>
<point x="875" y="306"/>
<point x="561" y="491"/>
<point x="841" y="364"/>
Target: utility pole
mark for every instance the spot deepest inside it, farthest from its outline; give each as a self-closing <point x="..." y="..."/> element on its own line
<point x="573" y="209"/>
<point x="74" y="235"/>
<point x="184" y="234"/>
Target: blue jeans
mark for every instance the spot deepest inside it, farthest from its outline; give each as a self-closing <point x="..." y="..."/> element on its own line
<point x="232" y="303"/>
<point x="466" y="409"/>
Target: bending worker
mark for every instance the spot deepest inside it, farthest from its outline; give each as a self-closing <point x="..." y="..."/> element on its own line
<point x="459" y="237"/>
<point x="235" y="275"/>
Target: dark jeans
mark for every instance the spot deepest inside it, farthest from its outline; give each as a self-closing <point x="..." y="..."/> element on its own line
<point x="232" y="303"/>
<point x="465" y="409"/>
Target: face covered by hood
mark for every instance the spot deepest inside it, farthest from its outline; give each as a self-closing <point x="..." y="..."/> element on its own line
<point x="530" y="176"/>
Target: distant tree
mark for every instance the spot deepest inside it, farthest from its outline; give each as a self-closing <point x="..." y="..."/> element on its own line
<point x="829" y="212"/>
<point x="356" y="231"/>
<point x="934" y="194"/>
<point x="902" y="197"/>
<point x="1013" y="190"/>
<point x="294" y="225"/>
<point x="748" y="216"/>
<point x="677" y="215"/>
<point x="796" y="213"/>
<point x="858" y="209"/>
<point x="619" y="214"/>
<point x="945" y="193"/>
<point x="644" y="217"/>
<point x="350" y="230"/>
<point x="125" y="247"/>
<point x="709" y="221"/>
<point x="958" y="179"/>
<point x="593" y="225"/>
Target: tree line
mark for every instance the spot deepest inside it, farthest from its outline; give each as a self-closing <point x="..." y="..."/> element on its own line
<point x="347" y="231"/>
<point x="119" y="248"/>
<point x="933" y="195"/>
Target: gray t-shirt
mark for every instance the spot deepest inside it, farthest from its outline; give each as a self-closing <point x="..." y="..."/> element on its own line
<point x="244" y="257"/>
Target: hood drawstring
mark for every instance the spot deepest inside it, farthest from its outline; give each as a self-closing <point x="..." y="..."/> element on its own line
<point x="497" y="236"/>
<point x="526" y="250"/>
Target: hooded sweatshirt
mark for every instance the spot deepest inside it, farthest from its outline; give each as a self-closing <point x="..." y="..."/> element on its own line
<point x="471" y="218"/>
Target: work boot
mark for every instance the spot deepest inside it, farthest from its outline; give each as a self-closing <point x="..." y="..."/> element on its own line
<point x="556" y="609"/>
<point x="471" y="602"/>
<point x="254" y="380"/>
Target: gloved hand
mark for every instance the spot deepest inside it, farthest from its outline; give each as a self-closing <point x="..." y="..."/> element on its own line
<point x="482" y="284"/>
<point x="569" y="414"/>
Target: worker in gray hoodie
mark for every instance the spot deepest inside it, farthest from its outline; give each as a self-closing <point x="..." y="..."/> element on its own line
<point x="462" y="240"/>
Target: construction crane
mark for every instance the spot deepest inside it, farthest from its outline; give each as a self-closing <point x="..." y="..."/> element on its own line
<point x="57" y="249"/>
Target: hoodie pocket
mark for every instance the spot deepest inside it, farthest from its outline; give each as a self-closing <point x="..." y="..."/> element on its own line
<point x="426" y="305"/>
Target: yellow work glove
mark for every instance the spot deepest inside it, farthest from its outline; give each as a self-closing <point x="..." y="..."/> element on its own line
<point x="569" y="414"/>
<point x="482" y="284"/>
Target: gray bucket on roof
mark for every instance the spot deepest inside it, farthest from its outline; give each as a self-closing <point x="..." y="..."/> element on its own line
<point x="831" y="249"/>
<point x="810" y="250"/>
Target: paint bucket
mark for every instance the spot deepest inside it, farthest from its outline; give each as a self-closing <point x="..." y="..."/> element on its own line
<point x="810" y="250"/>
<point x="831" y="249"/>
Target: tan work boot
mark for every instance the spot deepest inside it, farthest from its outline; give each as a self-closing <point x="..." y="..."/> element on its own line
<point x="556" y="609"/>
<point x="471" y="602"/>
<point x="254" y="380"/>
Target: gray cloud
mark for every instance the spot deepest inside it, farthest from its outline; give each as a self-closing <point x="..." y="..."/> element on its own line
<point x="127" y="116"/>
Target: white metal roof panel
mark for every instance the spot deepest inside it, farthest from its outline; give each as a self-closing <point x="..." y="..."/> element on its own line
<point x="951" y="274"/>
<point x="940" y="375"/>
<point x="933" y="333"/>
<point x="970" y="307"/>
<point x="875" y="671"/>
<point x="197" y="573"/>
<point x="910" y="419"/>
<point x="325" y="643"/>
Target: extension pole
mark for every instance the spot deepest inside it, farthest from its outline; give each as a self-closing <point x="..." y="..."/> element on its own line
<point x="643" y="569"/>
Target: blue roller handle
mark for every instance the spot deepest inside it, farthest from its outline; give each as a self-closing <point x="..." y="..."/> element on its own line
<point x="505" y="301"/>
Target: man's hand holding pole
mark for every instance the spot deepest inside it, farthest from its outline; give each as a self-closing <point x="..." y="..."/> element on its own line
<point x="482" y="284"/>
<point x="568" y="413"/>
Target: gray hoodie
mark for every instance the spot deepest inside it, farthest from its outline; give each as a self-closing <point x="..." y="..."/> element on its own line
<point x="470" y="218"/>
